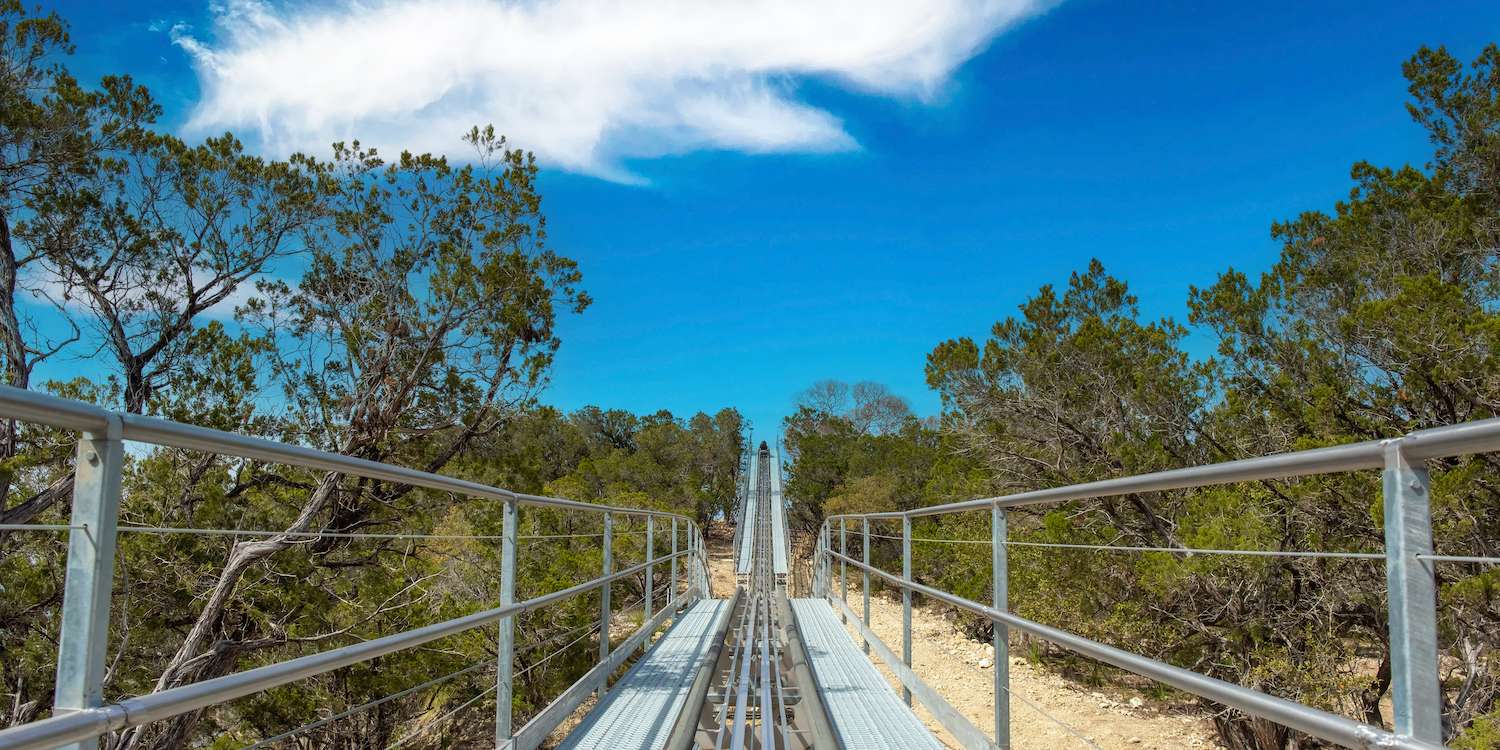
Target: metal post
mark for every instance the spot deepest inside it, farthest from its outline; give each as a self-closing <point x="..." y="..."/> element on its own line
<point x="672" y="590"/>
<point x="650" y="561"/>
<point x="84" y="637"/>
<point x="818" y="561"/>
<point x="1412" y="598"/>
<point x="906" y="601"/>
<point x="1000" y="571"/>
<point x="506" y="648"/>
<point x="694" y="580"/>
<point x="866" y="559"/>
<point x="843" y="566"/>
<point x="609" y="567"/>
<point x="693" y="576"/>
<point x="828" y="561"/>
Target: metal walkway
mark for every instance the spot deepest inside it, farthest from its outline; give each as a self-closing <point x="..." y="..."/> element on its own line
<point x="791" y="677"/>
<point x="641" y="709"/>
<point x="749" y="510"/>
<point x="865" y="712"/>
<point x="778" y="520"/>
<point x="764" y="465"/>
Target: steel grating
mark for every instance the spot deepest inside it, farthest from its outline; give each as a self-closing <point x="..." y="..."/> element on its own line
<point x="747" y="513"/>
<point x="640" y="710"/>
<point x="778" y="520"/>
<point x="865" y="712"/>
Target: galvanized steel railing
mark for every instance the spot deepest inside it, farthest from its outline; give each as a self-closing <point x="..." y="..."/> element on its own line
<point x="80" y="714"/>
<point x="1410" y="583"/>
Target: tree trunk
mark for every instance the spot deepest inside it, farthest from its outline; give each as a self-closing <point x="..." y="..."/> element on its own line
<point x="187" y="666"/>
<point x="13" y="348"/>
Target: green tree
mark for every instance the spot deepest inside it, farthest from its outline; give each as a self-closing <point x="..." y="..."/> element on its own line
<point x="52" y="130"/>
<point x="1379" y="319"/>
<point x="425" y="319"/>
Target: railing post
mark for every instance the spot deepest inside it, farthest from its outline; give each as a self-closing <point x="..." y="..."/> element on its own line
<point x="906" y="600"/>
<point x="506" y="649"/>
<point x="650" y="563"/>
<point x="672" y="589"/>
<point x="828" y="560"/>
<point x="83" y="639"/>
<point x="697" y="574"/>
<point x="843" y="567"/>
<point x="1000" y="571"/>
<point x="866" y="559"/>
<point x="822" y="560"/>
<point x="1411" y="595"/>
<point x="693" y="581"/>
<point x="608" y="568"/>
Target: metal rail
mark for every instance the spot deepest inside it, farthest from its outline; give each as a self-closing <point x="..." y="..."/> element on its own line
<point x="1408" y="555"/>
<point x="80" y="714"/>
<point x="754" y="679"/>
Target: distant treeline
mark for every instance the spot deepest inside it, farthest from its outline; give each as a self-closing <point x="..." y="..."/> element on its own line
<point x="1379" y="318"/>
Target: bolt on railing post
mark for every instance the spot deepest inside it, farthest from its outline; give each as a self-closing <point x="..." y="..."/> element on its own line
<point x="506" y="648"/>
<point x="672" y="588"/>
<point x="866" y="559"/>
<point x="1416" y="696"/>
<point x="608" y="568"/>
<point x="83" y="639"/>
<point x="843" y="567"/>
<point x="1000" y="571"/>
<point x="906" y="601"/>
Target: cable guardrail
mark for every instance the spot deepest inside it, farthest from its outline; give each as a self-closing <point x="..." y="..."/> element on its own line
<point x="1411" y="585"/>
<point x="588" y="631"/>
<point x="80" y="715"/>
<point x="1044" y="713"/>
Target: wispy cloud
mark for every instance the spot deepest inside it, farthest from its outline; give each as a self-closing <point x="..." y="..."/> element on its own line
<point x="584" y="83"/>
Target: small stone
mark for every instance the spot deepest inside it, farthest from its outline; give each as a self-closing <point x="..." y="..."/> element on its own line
<point x="1136" y="703"/>
<point x="986" y="663"/>
<point x="1134" y="740"/>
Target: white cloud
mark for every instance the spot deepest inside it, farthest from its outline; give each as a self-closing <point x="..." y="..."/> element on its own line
<point x="584" y="83"/>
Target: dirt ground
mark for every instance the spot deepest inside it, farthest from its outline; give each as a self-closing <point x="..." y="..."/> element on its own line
<point x="959" y="669"/>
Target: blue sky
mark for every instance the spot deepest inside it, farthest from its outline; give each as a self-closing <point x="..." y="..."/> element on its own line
<point x="838" y="216"/>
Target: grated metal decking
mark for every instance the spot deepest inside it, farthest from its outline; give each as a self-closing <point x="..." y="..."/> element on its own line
<point x="865" y="712"/>
<point x="778" y="520"/>
<point x="640" y="710"/>
<point x="752" y="496"/>
<point x="764" y="466"/>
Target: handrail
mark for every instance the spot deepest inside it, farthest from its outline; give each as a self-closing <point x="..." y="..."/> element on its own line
<point x="1323" y="724"/>
<point x="132" y="712"/>
<point x="1408" y="556"/>
<point x="54" y="411"/>
<point x="1481" y="436"/>
<point x="80" y="715"/>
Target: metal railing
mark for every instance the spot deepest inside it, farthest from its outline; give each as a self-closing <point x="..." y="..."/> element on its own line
<point x="1410" y="583"/>
<point x="80" y="715"/>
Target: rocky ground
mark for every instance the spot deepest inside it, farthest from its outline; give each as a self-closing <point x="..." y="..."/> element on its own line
<point x="960" y="669"/>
